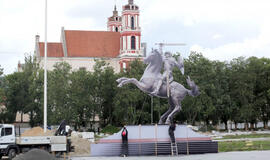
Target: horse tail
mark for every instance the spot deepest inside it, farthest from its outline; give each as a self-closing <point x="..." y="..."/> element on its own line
<point x="194" y="88"/>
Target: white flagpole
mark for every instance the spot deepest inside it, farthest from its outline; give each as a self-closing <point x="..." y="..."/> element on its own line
<point x="45" y="71"/>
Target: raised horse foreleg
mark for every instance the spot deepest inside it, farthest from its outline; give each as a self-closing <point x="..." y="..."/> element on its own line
<point x="119" y="80"/>
<point x="139" y="84"/>
<point x="165" y="115"/>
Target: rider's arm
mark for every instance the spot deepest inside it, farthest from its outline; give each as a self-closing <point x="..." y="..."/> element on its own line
<point x="180" y="64"/>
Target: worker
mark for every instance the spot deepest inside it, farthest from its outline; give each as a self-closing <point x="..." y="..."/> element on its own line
<point x="171" y="132"/>
<point x="124" y="135"/>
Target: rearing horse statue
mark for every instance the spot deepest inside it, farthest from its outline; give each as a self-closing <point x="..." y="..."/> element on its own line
<point x="149" y="81"/>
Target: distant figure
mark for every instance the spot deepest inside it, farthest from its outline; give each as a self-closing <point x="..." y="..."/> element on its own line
<point x="124" y="135"/>
<point x="171" y="132"/>
<point x="61" y="129"/>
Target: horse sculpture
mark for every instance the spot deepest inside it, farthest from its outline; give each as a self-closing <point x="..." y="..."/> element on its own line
<point x="148" y="83"/>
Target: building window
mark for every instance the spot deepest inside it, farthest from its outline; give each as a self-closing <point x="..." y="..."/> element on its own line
<point x="133" y="42"/>
<point x="82" y="68"/>
<point x="124" y="65"/>
<point x="116" y="29"/>
<point x="132" y="22"/>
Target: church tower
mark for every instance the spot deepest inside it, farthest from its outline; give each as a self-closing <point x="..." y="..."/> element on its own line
<point x="114" y="22"/>
<point x="130" y="35"/>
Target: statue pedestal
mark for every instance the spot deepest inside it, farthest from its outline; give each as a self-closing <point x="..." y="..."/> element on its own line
<point x="154" y="140"/>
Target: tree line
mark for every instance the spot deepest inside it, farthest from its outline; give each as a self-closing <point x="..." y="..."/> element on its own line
<point x="238" y="91"/>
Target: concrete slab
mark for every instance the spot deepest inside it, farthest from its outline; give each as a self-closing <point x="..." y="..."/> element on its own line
<point x="251" y="155"/>
<point x="154" y="140"/>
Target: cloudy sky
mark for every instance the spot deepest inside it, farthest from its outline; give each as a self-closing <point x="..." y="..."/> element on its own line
<point x="220" y="29"/>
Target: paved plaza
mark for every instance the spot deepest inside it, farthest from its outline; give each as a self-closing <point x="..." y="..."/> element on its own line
<point x="251" y="155"/>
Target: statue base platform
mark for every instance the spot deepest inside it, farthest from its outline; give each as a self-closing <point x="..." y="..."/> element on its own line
<point x="154" y="140"/>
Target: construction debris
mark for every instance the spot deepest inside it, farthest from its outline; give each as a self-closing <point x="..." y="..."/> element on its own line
<point x="81" y="146"/>
<point x="35" y="154"/>
<point x="37" y="131"/>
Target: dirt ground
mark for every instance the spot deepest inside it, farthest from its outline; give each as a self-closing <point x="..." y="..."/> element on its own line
<point x="81" y="146"/>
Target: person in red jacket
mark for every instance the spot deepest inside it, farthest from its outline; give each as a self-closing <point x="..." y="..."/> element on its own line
<point x="124" y="135"/>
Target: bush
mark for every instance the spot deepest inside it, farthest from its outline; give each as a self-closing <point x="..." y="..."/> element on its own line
<point x="91" y="130"/>
<point x="206" y="128"/>
<point x="109" y="129"/>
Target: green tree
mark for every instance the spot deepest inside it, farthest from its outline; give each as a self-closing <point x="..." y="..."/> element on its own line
<point x="15" y="94"/>
<point x="1" y="85"/>
<point x="2" y="110"/>
<point x="19" y="97"/>
<point x="241" y="91"/>
<point x="1" y="71"/>
<point x="221" y="99"/>
<point x="81" y="99"/>
<point x="59" y="107"/>
<point x="104" y="82"/>
<point x="258" y="70"/>
<point x="201" y="70"/>
<point x="33" y="75"/>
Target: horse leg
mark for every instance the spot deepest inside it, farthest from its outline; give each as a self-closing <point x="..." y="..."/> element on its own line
<point x="134" y="81"/>
<point x="119" y="80"/>
<point x="172" y="114"/>
<point x="165" y="115"/>
<point x="123" y="81"/>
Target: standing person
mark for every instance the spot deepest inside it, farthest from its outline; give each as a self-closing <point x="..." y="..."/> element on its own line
<point x="124" y="135"/>
<point x="171" y="132"/>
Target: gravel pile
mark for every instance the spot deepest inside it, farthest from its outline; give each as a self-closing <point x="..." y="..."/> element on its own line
<point x="35" y="154"/>
<point x="81" y="146"/>
<point x="37" y="131"/>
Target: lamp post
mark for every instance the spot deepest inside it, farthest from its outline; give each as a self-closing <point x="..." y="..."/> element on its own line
<point x="187" y="128"/>
<point x="45" y="71"/>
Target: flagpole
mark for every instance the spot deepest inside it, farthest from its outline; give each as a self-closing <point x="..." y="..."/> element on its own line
<point x="45" y="71"/>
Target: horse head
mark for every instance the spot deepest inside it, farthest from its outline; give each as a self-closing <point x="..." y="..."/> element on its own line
<point x="154" y="63"/>
<point x="154" y="57"/>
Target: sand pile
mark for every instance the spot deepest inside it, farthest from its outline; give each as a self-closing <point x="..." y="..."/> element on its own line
<point x="35" y="154"/>
<point x="37" y="131"/>
<point x="81" y="146"/>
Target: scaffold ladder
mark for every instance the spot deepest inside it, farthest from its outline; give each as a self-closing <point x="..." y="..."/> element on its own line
<point x="174" y="149"/>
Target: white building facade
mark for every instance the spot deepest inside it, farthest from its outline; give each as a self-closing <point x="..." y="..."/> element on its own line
<point x="119" y="45"/>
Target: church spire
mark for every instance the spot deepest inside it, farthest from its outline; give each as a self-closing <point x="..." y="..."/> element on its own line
<point x="115" y="21"/>
<point x="130" y="2"/>
<point x="115" y="12"/>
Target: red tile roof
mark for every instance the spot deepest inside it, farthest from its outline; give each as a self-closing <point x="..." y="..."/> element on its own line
<point x="92" y="43"/>
<point x="53" y="49"/>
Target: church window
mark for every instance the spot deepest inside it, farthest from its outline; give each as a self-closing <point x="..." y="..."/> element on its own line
<point x="133" y="43"/>
<point x="124" y="65"/>
<point x="116" y="29"/>
<point x="82" y="68"/>
<point x="132" y="22"/>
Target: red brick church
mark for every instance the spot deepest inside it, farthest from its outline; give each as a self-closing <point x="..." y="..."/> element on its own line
<point x="119" y="45"/>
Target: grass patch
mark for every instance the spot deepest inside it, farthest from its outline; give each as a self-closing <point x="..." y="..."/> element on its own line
<point x="246" y="136"/>
<point x="243" y="146"/>
<point x="110" y="129"/>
